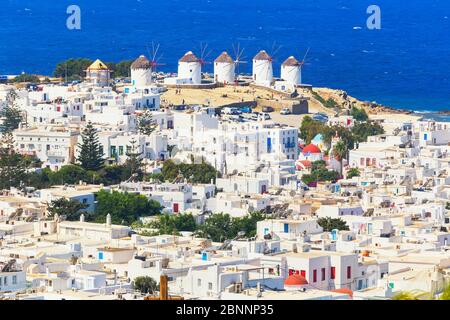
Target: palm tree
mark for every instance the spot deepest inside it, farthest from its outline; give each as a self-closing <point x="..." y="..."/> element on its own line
<point x="339" y="152"/>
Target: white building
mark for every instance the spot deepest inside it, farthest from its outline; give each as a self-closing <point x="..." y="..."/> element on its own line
<point x="141" y="72"/>
<point x="224" y="69"/>
<point x="189" y="69"/>
<point x="262" y="69"/>
<point x="54" y="145"/>
<point x="291" y="71"/>
<point x="98" y="74"/>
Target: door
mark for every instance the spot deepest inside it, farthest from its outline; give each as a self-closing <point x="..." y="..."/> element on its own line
<point x="175" y="207"/>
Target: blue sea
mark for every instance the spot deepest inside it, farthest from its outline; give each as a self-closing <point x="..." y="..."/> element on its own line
<point x="406" y="64"/>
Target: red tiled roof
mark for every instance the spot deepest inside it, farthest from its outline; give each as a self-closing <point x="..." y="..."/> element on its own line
<point x="295" y="280"/>
<point x="311" y="148"/>
<point x="344" y="290"/>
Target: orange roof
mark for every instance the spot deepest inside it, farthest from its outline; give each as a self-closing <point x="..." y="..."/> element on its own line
<point x="344" y="290"/>
<point x="295" y="280"/>
<point x="311" y="148"/>
<point x="303" y="163"/>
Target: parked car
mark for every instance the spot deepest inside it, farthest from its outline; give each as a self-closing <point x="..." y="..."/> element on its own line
<point x="322" y="117"/>
<point x="266" y="116"/>
<point x="246" y="109"/>
<point x="267" y="109"/>
<point x="285" y="111"/>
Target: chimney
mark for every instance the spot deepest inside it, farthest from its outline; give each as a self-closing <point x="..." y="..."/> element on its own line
<point x="163" y="289"/>
<point x="108" y="219"/>
<point x="82" y="217"/>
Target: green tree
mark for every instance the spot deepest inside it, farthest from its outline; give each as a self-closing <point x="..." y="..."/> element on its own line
<point x="122" y="69"/>
<point x="329" y="224"/>
<point x="146" y="124"/>
<point x="70" y="174"/>
<point x="25" y="77"/>
<point x="72" y="69"/>
<point x="12" y="164"/>
<point x="310" y="128"/>
<point x="339" y="153"/>
<point x="362" y="130"/>
<point x="218" y="227"/>
<point x="11" y="113"/>
<point x="72" y="209"/>
<point x="359" y="114"/>
<point x="110" y="175"/>
<point x="173" y="224"/>
<point x="91" y="154"/>
<point x="134" y="160"/>
<point x="193" y="172"/>
<point x="353" y="172"/>
<point x="125" y="208"/>
<point x="247" y="224"/>
<point x="145" y="285"/>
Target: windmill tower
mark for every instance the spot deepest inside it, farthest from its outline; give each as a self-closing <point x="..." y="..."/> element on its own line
<point x="262" y="69"/>
<point x="190" y="68"/>
<point x="141" y="72"/>
<point x="224" y="69"/>
<point x="142" y="68"/>
<point x="291" y="70"/>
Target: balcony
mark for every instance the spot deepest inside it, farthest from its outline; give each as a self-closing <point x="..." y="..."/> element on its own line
<point x="289" y="145"/>
<point x="56" y="154"/>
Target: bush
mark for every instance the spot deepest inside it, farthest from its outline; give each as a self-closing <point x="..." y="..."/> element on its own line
<point x="124" y="208"/>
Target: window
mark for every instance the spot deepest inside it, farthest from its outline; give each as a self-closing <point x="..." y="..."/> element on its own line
<point x="199" y="282"/>
<point x="314" y="275"/>
<point x="349" y="272"/>
<point x="14" y="280"/>
<point x="333" y="273"/>
<point x="209" y="285"/>
<point x="323" y="274"/>
<point x="120" y="150"/>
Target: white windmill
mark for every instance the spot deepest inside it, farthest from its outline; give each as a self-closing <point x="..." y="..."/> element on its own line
<point x="291" y="70"/>
<point x="262" y="67"/>
<point x="225" y="67"/>
<point x="142" y="68"/>
<point x="190" y="66"/>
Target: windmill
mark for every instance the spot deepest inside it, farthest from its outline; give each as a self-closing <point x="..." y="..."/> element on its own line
<point x="154" y="57"/>
<point x="238" y="54"/>
<point x="291" y="70"/>
<point x="204" y="54"/>
<point x="262" y="66"/>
